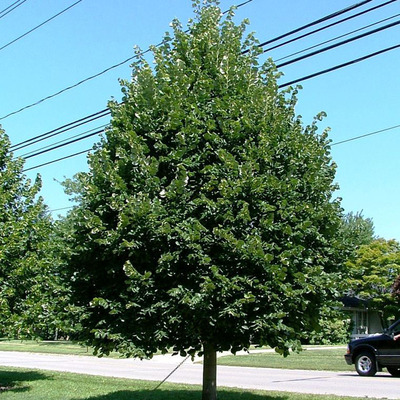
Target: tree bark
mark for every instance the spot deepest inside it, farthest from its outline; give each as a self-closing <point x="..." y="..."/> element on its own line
<point x="209" y="373"/>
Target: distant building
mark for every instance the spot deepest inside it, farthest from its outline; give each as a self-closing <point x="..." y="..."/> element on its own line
<point x="365" y="321"/>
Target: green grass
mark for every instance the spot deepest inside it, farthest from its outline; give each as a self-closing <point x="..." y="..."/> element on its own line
<point x="22" y="384"/>
<point x="55" y="347"/>
<point x="318" y="360"/>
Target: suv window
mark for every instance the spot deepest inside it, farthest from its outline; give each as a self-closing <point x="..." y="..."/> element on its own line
<point x="395" y="328"/>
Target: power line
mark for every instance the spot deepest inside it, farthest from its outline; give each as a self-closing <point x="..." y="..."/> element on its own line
<point x="343" y="42"/>
<point x="346" y="64"/>
<point x="81" y="82"/>
<point x="365" y="135"/>
<point x="239" y="5"/>
<point x="316" y="22"/>
<point x="76" y="123"/>
<point x="64" y="144"/>
<point x="280" y="86"/>
<point x="73" y="86"/>
<point x="329" y="25"/>
<point x="57" y="160"/>
<point x="2" y="11"/>
<point x="63" y="141"/>
<point x="337" y="37"/>
<point x="38" y="26"/>
<point x="60" y="209"/>
<point x="16" y="4"/>
<point x="61" y="129"/>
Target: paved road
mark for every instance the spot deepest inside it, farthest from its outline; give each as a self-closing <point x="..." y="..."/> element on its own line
<point x="342" y="384"/>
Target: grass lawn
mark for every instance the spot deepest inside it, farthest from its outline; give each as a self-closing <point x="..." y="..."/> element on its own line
<point x="311" y="359"/>
<point x="55" y="347"/>
<point x="25" y="384"/>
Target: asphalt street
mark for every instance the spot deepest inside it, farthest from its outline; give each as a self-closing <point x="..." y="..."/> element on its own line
<point x="381" y="386"/>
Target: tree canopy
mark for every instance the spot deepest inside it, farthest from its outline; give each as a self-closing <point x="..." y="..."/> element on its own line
<point x="373" y="274"/>
<point x="207" y="219"/>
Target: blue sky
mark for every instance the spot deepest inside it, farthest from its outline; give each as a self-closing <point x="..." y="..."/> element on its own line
<point x="96" y="34"/>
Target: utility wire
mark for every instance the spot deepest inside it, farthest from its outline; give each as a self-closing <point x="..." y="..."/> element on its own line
<point x="73" y="124"/>
<point x="330" y="16"/>
<point x="280" y="86"/>
<point x="346" y="64"/>
<point x="16" y="4"/>
<point x="337" y="37"/>
<point x="59" y="159"/>
<point x="64" y="144"/>
<point x="343" y="42"/>
<point x="61" y="129"/>
<point x="365" y="135"/>
<point x="93" y="76"/>
<point x="328" y="26"/>
<point x="63" y="141"/>
<point x="2" y="11"/>
<point x="38" y="26"/>
<point x="60" y="209"/>
<point x="239" y="5"/>
<point x="316" y="22"/>
<point x="73" y="86"/>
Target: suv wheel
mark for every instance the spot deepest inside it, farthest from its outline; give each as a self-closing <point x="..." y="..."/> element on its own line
<point x="394" y="371"/>
<point x="365" y="364"/>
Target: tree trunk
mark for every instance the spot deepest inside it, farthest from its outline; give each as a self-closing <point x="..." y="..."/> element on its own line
<point x="209" y="373"/>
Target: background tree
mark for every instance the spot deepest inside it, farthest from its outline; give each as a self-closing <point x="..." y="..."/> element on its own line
<point x="396" y="288"/>
<point x="373" y="272"/>
<point x="357" y="229"/>
<point x="334" y="326"/>
<point x="207" y="218"/>
<point x="30" y="292"/>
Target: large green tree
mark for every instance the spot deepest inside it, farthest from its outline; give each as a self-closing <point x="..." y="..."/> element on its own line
<point x="31" y="293"/>
<point x="207" y="218"/>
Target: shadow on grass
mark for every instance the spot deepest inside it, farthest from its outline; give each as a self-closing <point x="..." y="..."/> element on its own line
<point x="11" y="380"/>
<point x="195" y="394"/>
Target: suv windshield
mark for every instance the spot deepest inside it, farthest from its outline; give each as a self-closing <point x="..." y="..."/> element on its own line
<point x="394" y="328"/>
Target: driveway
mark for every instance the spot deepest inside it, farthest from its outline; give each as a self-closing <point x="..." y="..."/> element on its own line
<point x="157" y="369"/>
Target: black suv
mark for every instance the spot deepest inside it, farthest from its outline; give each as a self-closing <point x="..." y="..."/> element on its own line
<point x="372" y="353"/>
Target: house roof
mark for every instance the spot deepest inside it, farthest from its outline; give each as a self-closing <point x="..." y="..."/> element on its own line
<point x="354" y="302"/>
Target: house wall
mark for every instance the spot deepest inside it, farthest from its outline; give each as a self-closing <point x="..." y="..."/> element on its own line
<point x="365" y="322"/>
<point x="375" y="325"/>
